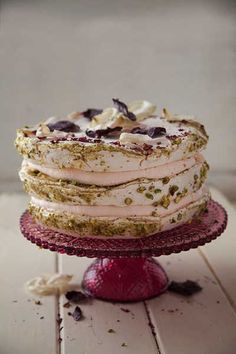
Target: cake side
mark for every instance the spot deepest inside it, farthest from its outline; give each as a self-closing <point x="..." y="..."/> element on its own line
<point x="118" y="172"/>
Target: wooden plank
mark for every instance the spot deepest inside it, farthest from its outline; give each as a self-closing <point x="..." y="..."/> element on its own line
<point x="91" y="335"/>
<point x="22" y="331"/>
<point x="204" y="323"/>
<point x="220" y="255"/>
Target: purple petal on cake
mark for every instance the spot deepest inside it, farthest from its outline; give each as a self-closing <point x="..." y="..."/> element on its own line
<point x="64" y="126"/>
<point x="122" y="108"/>
<point x="139" y="130"/>
<point x="75" y="296"/>
<point x="109" y="132"/>
<point x="154" y="132"/>
<point x="91" y="112"/>
<point x="77" y="314"/>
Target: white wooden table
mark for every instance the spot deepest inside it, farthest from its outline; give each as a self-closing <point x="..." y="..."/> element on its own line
<point x="203" y="324"/>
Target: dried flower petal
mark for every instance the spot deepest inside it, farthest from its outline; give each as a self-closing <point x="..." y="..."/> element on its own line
<point x="103" y="132"/>
<point x="154" y="132"/>
<point x="91" y="112"/>
<point x="77" y="314"/>
<point x="139" y="130"/>
<point x="75" y="296"/>
<point x="64" y="126"/>
<point x="122" y="108"/>
<point x="186" y="288"/>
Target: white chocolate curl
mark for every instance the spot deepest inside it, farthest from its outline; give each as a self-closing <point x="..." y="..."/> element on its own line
<point x="142" y="109"/>
<point x="49" y="284"/>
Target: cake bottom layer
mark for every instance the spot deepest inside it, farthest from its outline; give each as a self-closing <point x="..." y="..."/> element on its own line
<point x="135" y="226"/>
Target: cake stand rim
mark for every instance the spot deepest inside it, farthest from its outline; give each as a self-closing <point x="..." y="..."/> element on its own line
<point x="143" y="250"/>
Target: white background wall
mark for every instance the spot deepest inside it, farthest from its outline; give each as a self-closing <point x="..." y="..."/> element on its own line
<point x="61" y="56"/>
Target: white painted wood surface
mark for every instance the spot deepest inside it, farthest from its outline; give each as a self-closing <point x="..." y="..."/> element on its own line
<point x="203" y="324"/>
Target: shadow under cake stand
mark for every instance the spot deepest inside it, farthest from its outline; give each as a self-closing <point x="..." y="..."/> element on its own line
<point x="125" y="270"/>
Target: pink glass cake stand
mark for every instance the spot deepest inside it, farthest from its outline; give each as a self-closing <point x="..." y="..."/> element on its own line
<point x="125" y="270"/>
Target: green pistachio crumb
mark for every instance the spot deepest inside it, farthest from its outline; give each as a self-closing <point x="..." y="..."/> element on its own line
<point x="179" y="216"/>
<point x="151" y="188"/>
<point x="157" y="190"/>
<point x="176" y="141"/>
<point x="178" y="197"/>
<point x="128" y="201"/>
<point x="173" y="189"/>
<point x="154" y="213"/>
<point x="165" y="180"/>
<point x="141" y="189"/>
<point x="165" y="201"/>
<point x="149" y="196"/>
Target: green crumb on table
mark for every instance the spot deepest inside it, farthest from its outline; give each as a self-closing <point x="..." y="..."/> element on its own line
<point x="157" y="190"/>
<point x="128" y="201"/>
<point x="111" y="330"/>
<point x="154" y="213"/>
<point x="149" y="196"/>
<point x="173" y="189"/>
<point x="165" y="180"/>
<point x="141" y="189"/>
<point x="155" y="204"/>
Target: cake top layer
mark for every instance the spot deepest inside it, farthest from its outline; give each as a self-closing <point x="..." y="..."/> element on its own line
<point x="121" y="137"/>
<point x="132" y="125"/>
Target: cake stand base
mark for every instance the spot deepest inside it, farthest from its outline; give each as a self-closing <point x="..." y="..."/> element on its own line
<point x="124" y="270"/>
<point x="125" y="279"/>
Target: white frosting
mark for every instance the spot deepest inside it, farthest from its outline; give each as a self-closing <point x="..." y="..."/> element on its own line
<point x="114" y="178"/>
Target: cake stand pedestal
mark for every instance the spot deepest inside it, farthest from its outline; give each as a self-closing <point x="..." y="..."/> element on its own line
<point x="125" y="270"/>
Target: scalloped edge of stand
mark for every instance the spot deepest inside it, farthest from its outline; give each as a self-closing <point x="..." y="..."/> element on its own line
<point x="182" y="238"/>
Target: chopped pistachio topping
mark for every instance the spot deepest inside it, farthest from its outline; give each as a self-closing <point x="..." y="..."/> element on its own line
<point x="149" y="196"/>
<point x="173" y="189"/>
<point x="151" y="188"/>
<point x="128" y="201"/>
<point x="179" y="216"/>
<point x="178" y="197"/>
<point x="141" y="189"/>
<point x="165" y="180"/>
<point x="165" y="201"/>
<point x="157" y="190"/>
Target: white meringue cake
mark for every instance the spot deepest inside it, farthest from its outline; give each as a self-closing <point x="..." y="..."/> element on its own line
<point x="123" y="171"/>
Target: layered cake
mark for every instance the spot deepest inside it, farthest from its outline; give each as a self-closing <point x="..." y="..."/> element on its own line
<point x="122" y="171"/>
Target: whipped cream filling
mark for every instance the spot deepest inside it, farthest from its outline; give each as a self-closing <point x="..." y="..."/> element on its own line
<point x="115" y="211"/>
<point x="114" y="178"/>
